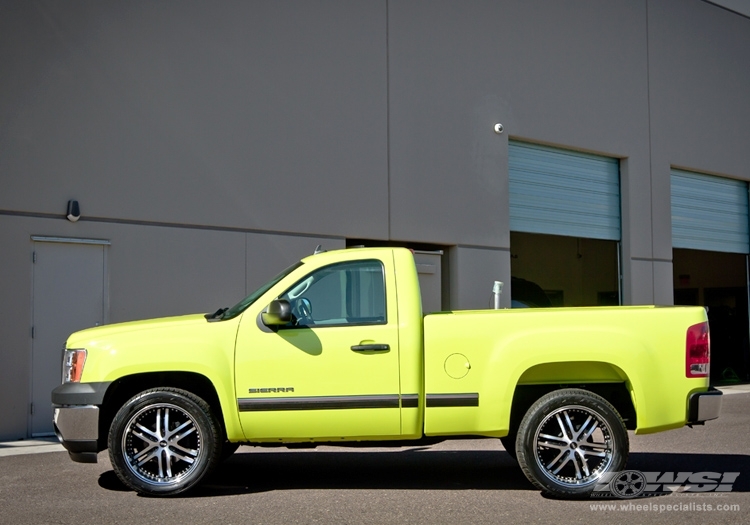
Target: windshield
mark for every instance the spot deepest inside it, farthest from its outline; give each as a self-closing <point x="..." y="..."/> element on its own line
<point x="250" y="299"/>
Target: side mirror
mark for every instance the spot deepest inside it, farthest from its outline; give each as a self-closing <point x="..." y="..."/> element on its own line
<point x="279" y="312"/>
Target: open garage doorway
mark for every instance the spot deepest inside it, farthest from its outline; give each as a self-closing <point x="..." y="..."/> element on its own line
<point x="565" y="227"/>
<point x="710" y="243"/>
<point x="571" y="271"/>
<point x="719" y="281"/>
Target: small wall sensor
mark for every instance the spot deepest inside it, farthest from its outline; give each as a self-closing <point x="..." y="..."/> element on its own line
<point x="74" y="211"/>
<point x="499" y="128"/>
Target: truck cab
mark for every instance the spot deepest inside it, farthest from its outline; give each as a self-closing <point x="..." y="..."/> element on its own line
<point x="344" y="362"/>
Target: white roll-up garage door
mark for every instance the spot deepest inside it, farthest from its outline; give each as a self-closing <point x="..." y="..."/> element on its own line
<point x="709" y="213"/>
<point x="561" y="192"/>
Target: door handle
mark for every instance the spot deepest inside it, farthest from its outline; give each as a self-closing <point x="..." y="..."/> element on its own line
<point x="371" y="348"/>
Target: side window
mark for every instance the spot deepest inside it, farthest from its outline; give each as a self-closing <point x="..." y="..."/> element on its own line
<point x="339" y="294"/>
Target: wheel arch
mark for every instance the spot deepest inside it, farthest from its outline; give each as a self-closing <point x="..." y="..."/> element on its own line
<point x="616" y="392"/>
<point x="124" y="388"/>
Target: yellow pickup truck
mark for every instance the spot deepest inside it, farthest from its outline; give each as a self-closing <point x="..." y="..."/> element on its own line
<point x="335" y="349"/>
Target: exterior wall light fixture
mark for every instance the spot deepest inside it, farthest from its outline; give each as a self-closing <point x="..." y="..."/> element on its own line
<point x="74" y="211"/>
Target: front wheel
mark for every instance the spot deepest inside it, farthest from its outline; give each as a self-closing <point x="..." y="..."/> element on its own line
<point x="163" y="441"/>
<point x="568" y="440"/>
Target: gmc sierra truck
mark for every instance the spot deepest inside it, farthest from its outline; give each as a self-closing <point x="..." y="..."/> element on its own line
<point x="335" y="349"/>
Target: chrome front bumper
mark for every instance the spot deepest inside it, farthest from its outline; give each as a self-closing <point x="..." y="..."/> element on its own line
<point x="76" y="418"/>
<point x="77" y="428"/>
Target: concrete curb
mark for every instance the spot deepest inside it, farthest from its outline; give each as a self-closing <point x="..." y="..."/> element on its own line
<point x="30" y="446"/>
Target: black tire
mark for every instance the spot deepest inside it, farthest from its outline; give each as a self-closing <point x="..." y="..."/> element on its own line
<point x="568" y="440"/>
<point x="164" y="441"/>
<point x="509" y="442"/>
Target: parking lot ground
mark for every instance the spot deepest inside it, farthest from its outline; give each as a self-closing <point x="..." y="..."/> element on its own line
<point x="455" y="482"/>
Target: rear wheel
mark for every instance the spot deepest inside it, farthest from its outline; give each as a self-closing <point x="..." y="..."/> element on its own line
<point x="163" y="441"/>
<point x="568" y="440"/>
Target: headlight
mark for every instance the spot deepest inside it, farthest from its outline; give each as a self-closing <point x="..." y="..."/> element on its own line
<point x="72" y="365"/>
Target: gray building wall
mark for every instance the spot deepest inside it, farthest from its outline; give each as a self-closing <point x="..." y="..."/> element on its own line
<point x="215" y="143"/>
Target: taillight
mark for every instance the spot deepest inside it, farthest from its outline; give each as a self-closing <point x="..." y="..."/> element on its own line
<point x="697" y="351"/>
<point x="72" y="365"/>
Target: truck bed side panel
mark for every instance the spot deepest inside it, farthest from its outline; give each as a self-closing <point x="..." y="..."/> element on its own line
<point x="475" y="359"/>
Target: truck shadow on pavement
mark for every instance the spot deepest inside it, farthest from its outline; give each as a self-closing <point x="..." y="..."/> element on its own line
<point x="411" y="469"/>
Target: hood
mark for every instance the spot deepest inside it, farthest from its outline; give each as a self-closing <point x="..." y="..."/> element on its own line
<point x="97" y="333"/>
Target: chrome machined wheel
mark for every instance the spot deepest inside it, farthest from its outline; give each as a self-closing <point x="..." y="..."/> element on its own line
<point x="568" y="440"/>
<point x="162" y="444"/>
<point x="574" y="445"/>
<point x="163" y="441"/>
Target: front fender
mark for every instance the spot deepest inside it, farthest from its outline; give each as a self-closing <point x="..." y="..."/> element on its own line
<point x="194" y="346"/>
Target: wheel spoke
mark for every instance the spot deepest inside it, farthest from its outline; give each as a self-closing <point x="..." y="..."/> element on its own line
<point x="189" y="458"/>
<point x="159" y="431"/>
<point x="553" y="445"/>
<point x="145" y="431"/>
<point x="168" y="461"/>
<point x="562" y="440"/>
<point x="571" y="427"/>
<point x="146" y="455"/>
<point x="579" y="458"/>
<point x="564" y="458"/>
<point x="182" y="436"/>
<point x="151" y="446"/>
<point x="582" y="429"/>
<point x="146" y="439"/>
<point x="591" y="429"/>
<point x="160" y="461"/>
<point x="595" y="446"/>
<point x="177" y="430"/>
<point x="562" y="427"/>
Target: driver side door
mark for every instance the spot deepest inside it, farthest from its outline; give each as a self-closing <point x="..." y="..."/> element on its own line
<point x="333" y="372"/>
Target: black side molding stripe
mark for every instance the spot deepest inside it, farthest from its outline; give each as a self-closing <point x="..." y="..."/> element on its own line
<point x="410" y="401"/>
<point x="452" y="400"/>
<point x="317" y="403"/>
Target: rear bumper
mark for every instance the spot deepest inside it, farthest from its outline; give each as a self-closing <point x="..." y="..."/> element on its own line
<point x="704" y="406"/>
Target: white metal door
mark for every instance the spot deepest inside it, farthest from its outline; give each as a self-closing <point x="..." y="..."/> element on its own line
<point x="68" y="295"/>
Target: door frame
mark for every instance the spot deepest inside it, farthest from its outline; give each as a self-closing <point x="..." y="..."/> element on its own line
<point x="105" y="303"/>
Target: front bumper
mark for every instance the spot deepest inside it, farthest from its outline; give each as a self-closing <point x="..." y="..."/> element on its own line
<point x="77" y="428"/>
<point x="704" y="406"/>
<point x="76" y="418"/>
